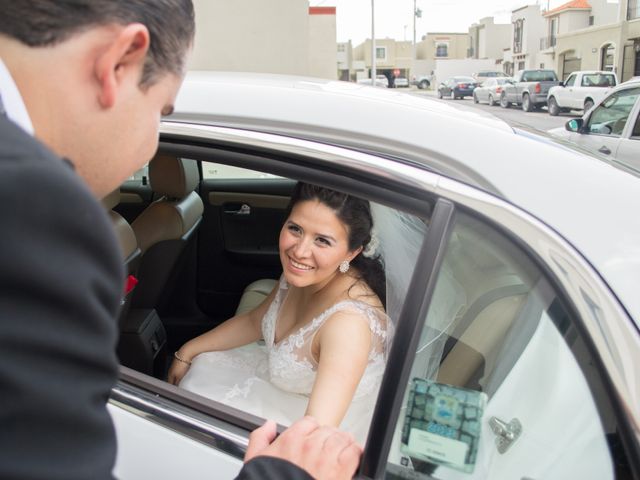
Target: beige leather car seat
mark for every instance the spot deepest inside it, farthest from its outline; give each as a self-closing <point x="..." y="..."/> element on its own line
<point x="254" y="294"/>
<point x="128" y="244"/>
<point x="165" y="227"/>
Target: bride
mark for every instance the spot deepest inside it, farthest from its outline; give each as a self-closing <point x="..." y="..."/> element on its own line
<point x="324" y="325"/>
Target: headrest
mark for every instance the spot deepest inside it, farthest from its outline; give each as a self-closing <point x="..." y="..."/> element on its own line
<point x="112" y="199"/>
<point x="173" y="177"/>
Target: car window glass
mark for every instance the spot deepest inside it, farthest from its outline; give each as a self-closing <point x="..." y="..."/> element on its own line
<point x="598" y="80"/>
<point x="610" y="117"/>
<point x="570" y="81"/>
<point x="501" y="386"/>
<point x="212" y="170"/>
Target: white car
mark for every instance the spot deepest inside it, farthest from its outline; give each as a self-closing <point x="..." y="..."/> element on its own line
<point x="517" y="345"/>
<point x="611" y="128"/>
<point x="580" y="91"/>
<point x="378" y="83"/>
<point x="401" y="82"/>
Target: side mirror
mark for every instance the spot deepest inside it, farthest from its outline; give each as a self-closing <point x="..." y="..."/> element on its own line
<point x="574" y="125"/>
<point x="561" y="84"/>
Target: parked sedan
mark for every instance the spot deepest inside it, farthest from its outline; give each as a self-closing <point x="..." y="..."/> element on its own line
<point x="489" y="91"/>
<point x="611" y="128"/>
<point x="457" y="87"/>
<point x="517" y="343"/>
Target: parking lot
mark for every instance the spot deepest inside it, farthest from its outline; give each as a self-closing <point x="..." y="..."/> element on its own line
<point x="540" y="120"/>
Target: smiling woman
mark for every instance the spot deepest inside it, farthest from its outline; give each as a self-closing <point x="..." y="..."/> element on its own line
<point x="324" y="328"/>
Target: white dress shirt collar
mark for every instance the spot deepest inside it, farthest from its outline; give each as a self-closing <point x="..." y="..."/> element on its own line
<point x="12" y="100"/>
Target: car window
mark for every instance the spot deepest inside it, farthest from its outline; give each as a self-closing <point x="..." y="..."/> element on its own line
<point x="502" y="385"/>
<point x="610" y="117"/>
<point x="598" y="80"/>
<point x="540" y="76"/>
<point x="212" y="170"/>
<point x="570" y="81"/>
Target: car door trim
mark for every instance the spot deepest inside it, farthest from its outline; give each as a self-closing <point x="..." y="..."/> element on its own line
<point x="410" y="324"/>
<point x="175" y="416"/>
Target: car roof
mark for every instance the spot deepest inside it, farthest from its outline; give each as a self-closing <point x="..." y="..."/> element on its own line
<point x="590" y="202"/>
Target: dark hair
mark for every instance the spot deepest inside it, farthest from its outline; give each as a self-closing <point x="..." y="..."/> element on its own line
<point x="355" y="213"/>
<point x="42" y="23"/>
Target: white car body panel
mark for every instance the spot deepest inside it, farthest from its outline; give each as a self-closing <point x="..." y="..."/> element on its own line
<point x="147" y="450"/>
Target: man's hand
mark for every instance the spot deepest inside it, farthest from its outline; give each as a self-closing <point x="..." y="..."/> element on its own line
<point x="323" y="452"/>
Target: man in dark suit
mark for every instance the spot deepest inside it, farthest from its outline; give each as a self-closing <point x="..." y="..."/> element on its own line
<point x="88" y="81"/>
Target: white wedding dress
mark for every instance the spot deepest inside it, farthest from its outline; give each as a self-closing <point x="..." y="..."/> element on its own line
<point x="274" y="380"/>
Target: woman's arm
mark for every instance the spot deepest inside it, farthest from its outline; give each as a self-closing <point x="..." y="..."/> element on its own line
<point x="344" y="342"/>
<point x="235" y="332"/>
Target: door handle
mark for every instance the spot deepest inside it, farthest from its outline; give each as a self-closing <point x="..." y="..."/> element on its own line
<point x="605" y="150"/>
<point x="243" y="210"/>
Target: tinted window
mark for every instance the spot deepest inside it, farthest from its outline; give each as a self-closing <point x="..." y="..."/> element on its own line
<point x="499" y="355"/>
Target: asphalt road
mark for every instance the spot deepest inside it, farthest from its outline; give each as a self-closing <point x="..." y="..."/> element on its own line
<point x="540" y="120"/>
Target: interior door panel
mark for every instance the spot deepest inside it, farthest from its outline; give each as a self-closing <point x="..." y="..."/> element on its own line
<point x="238" y="239"/>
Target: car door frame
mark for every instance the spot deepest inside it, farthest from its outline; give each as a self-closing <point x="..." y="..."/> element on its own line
<point x="601" y="318"/>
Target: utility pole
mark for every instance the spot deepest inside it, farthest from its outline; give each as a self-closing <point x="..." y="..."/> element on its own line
<point x="373" y="46"/>
<point x="414" y="30"/>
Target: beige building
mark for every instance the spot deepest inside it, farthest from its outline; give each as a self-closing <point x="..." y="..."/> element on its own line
<point x="322" y="42"/>
<point x="278" y="36"/>
<point x="594" y="35"/>
<point x="393" y="59"/>
<point x="528" y="27"/>
<point x="488" y="39"/>
<point x="629" y="61"/>
<point x="443" y="45"/>
<point x="581" y="35"/>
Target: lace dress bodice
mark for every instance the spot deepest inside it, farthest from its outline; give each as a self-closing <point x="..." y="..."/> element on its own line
<point x="291" y="365"/>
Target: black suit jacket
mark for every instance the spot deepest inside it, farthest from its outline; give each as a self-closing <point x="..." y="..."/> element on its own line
<point x="270" y="468"/>
<point x="61" y="280"/>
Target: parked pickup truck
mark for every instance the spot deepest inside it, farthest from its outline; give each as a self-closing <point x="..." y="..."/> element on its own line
<point x="580" y="91"/>
<point x="529" y="89"/>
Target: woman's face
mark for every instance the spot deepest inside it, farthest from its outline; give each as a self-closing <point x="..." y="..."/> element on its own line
<point x="313" y="243"/>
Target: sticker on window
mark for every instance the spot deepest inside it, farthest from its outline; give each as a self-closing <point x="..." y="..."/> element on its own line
<point x="443" y="423"/>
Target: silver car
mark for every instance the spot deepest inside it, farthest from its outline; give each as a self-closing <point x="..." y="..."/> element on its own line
<point x="517" y="345"/>
<point x="489" y="91"/>
<point x="611" y="128"/>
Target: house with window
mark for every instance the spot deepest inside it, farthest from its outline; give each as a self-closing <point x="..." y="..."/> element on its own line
<point x="581" y="35"/>
<point x="393" y="58"/>
<point x="488" y="39"/>
<point x="629" y="59"/>
<point x="528" y="27"/>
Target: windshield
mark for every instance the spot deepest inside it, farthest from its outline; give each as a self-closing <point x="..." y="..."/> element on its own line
<point x="539" y="76"/>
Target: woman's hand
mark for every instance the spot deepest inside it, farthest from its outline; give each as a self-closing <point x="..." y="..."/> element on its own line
<point x="177" y="370"/>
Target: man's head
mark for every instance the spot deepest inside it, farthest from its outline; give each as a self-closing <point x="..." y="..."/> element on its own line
<point x="96" y="75"/>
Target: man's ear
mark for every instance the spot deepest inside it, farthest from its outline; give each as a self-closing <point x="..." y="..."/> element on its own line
<point x="124" y="56"/>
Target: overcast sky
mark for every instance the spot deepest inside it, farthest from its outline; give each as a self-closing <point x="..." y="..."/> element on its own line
<point x="353" y="17"/>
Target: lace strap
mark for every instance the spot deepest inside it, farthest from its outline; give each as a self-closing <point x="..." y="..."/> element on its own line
<point x="372" y="314"/>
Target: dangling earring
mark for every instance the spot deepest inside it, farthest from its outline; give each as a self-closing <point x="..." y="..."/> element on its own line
<point x="344" y="266"/>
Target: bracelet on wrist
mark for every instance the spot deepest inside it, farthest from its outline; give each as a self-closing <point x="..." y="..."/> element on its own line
<point x="182" y="360"/>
